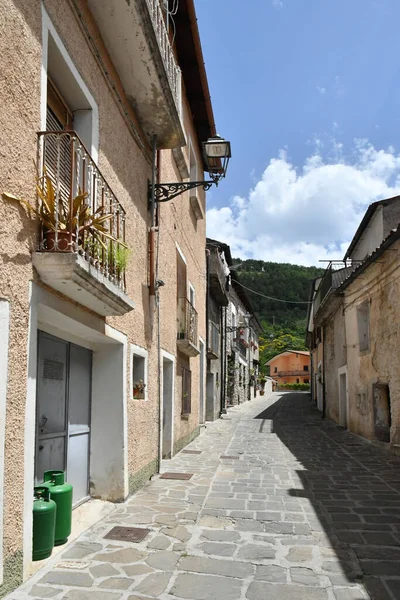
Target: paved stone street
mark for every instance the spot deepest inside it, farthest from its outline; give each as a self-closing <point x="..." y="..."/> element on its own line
<point x="282" y="506"/>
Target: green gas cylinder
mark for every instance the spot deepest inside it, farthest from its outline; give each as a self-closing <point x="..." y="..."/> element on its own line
<point x="44" y="523"/>
<point x="61" y="493"/>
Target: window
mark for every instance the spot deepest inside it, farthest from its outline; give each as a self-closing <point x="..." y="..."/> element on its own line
<point x="306" y="380"/>
<point x="305" y="367"/>
<point x="363" y="326"/>
<point x="68" y="96"/>
<point x="192" y="295"/>
<point x="297" y="380"/>
<point x="186" y="391"/>
<point x="275" y="369"/>
<point x="192" y="164"/>
<point x="138" y="373"/>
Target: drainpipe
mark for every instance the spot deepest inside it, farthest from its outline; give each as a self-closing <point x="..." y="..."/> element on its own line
<point x="311" y="377"/>
<point x="152" y="282"/>
<point x="323" y="375"/>
<point x="223" y="320"/>
<point x="207" y="294"/>
<point x="154" y="305"/>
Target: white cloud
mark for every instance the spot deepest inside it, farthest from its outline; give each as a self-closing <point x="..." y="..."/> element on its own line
<point x="306" y="214"/>
<point x="321" y="90"/>
<point x="277" y="3"/>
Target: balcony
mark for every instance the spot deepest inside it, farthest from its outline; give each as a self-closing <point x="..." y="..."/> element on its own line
<point x="291" y="374"/>
<point x="187" y="341"/>
<point x="217" y="277"/>
<point x="85" y="257"/>
<point x="213" y="341"/>
<point x="138" y="42"/>
<point x="335" y="274"/>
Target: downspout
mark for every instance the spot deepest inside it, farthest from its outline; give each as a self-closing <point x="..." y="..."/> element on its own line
<point x="152" y="280"/>
<point x="207" y="300"/>
<point x="323" y="375"/>
<point x="224" y="359"/>
<point x="154" y="304"/>
<point x="207" y="334"/>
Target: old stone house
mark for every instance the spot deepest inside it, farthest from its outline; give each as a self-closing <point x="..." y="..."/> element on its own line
<point x="219" y="261"/>
<point x="102" y="337"/>
<point x="352" y="331"/>
<point x="242" y="348"/>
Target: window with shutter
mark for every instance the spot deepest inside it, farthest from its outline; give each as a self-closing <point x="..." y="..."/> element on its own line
<point x="57" y="149"/>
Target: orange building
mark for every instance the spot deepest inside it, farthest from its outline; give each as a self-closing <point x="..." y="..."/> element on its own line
<point x="292" y="366"/>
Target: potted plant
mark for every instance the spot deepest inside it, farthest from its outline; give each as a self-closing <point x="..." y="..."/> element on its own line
<point x="138" y="389"/>
<point x="57" y="214"/>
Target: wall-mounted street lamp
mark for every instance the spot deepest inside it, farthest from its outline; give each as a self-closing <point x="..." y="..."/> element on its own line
<point x="216" y="152"/>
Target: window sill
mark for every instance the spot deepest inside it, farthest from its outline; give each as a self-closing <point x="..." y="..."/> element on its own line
<point x="185" y="416"/>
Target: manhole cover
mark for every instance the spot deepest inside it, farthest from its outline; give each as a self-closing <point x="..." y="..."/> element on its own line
<point x="180" y="476"/>
<point x="191" y="451"/>
<point x="127" y="534"/>
<point x="230" y="457"/>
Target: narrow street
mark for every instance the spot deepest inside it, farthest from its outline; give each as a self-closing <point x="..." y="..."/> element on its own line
<point x="281" y="505"/>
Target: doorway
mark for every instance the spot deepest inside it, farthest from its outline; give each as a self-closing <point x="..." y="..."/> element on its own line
<point x="64" y="374"/>
<point x="201" y="398"/>
<point x="168" y="412"/>
<point x="343" y="399"/>
<point x="382" y="412"/>
<point x="210" y="404"/>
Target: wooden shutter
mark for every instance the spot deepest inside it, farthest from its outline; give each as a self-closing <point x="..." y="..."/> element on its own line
<point x="57" y="150"/>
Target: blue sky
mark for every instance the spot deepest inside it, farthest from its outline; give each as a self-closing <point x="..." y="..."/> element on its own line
<point x="295" y="84"/>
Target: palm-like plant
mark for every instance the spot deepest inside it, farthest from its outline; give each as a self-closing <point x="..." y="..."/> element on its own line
<point x="57" y="214"/>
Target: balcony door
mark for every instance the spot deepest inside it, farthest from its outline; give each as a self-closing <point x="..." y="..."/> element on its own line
<point x="63" y="412"/>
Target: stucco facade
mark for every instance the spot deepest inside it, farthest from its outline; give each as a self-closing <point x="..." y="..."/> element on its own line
<point x="352" y="331"/>
<point x="374" y="367"/>
<point x="290" y="367"/>
<point x="41" y="40"/>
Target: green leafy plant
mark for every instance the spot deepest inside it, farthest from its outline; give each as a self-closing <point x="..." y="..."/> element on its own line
<point x="300" y="387"/>
<point x="58" y="214"/>
<point x="138" y="388"/>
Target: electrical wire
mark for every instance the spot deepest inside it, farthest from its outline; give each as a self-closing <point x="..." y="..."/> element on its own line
<point x="270" y="297"/>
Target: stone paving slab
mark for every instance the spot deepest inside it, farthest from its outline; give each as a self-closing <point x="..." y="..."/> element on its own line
<point x="305" y="511"/>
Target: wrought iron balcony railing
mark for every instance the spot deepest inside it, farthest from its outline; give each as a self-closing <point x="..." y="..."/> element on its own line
<point x="218" y="277"/>
<point x="166" y="50"/>
<point x="335" y="274"/>
<point x="94" y="226"/>
<point x="187" y="321"/>
<point x="291" y="374"/>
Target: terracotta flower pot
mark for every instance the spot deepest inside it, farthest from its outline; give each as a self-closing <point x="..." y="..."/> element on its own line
<point x="62" y="241"/>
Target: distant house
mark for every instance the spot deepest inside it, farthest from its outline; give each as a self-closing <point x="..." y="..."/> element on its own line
<point x="292" y="366"/>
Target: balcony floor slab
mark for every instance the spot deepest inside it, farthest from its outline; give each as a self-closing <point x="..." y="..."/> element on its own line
<point x="73" y="276"/>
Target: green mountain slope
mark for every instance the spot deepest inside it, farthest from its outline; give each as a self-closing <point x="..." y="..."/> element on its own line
<point x="283" y="323"/>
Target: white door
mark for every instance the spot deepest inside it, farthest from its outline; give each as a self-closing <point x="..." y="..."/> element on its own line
<point x="80" y="370"/>
<point x="63" y="412"/>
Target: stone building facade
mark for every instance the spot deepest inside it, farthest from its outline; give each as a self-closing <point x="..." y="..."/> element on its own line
<point x="95" y="92"/>
<point x="352" y="332"/>
<point x="242" y="353"/>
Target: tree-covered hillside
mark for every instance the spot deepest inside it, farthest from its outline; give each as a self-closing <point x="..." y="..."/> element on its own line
<point x="283" y="323"/>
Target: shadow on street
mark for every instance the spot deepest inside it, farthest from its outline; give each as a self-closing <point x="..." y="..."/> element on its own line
<point x="352" y="490"/>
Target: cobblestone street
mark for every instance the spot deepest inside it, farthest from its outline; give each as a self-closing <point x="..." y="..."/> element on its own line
<point x="281" y="505"/>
